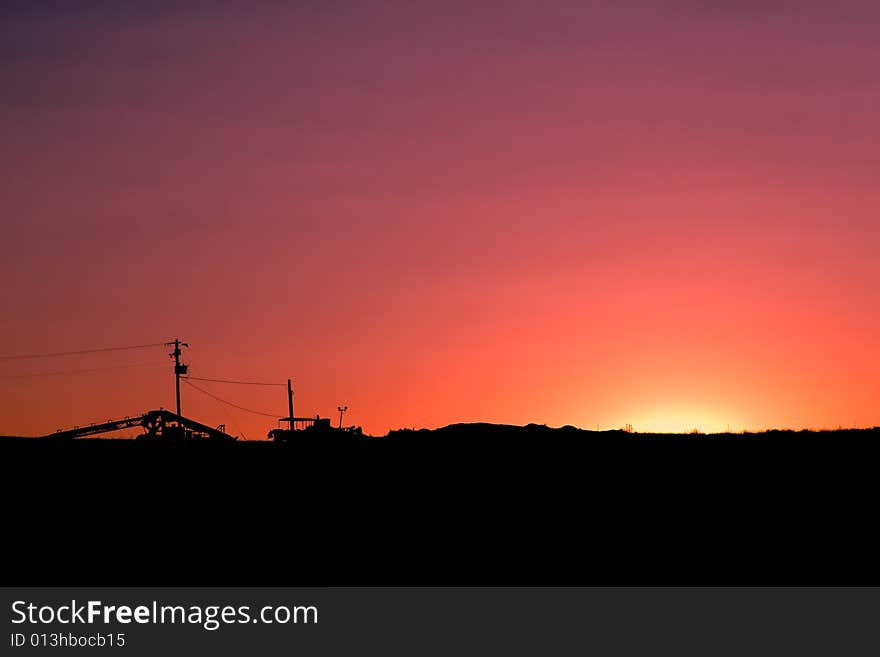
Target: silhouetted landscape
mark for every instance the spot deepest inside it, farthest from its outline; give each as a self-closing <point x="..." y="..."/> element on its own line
<point x="268" y="230"/>
<point x="465" y="504"/>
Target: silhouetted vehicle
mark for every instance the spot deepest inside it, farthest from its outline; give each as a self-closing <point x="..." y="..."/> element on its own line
<point x="314" y="428"/>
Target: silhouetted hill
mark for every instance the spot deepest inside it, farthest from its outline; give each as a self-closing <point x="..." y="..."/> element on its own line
<point x="465" y="504"/>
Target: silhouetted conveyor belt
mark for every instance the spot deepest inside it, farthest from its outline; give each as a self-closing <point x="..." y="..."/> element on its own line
<point x="99" y="428"/>
<point x="157" y="424"/>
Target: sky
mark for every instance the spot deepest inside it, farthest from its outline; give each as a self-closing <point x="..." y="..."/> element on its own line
<point x="662" y="214"/>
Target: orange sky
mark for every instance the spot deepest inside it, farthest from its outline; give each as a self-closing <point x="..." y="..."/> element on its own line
<point x="475" y="212"/>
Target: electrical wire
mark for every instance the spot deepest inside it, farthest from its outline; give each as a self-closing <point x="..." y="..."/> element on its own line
<point x="81" y="352"/>
<point x="213" y="396"/>
<point x="79" y="371"/>
<point x="244" y="383"/>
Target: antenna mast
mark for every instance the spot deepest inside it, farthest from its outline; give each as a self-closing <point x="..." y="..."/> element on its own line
<point x="290" y="404"/>
<point x="341" y="410"/>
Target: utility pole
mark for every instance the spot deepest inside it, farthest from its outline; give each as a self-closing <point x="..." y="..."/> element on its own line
<point x="341" y="410"/>
<point x="178" y="367"/>
<point x="290" y="403"/>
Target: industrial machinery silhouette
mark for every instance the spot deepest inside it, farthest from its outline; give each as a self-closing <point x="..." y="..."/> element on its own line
<point x="309" y="426"/>
<point x="169" y="426"/>
<point x="157" y="425"/>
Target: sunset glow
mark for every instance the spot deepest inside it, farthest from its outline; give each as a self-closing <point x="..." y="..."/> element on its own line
<point x="565" y="213"/>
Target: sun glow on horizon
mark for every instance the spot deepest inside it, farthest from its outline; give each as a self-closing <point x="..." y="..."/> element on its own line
<point x="428" y="235"/>
<point x="681" y="421"/>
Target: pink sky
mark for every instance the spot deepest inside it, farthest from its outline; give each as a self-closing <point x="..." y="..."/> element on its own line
<point x="569" y="213"/>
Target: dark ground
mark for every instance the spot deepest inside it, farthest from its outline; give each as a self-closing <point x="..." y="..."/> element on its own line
<point x="464" y="505"/>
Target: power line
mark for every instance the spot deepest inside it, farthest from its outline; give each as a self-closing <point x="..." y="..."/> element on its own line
<point x="81" y="352"/>
<point x="213" y="396"/>
<point x="79" y="371"/>
<point x="244" y="383"/>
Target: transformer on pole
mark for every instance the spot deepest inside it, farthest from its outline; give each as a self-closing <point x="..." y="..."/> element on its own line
<point x="179" y="368"/>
